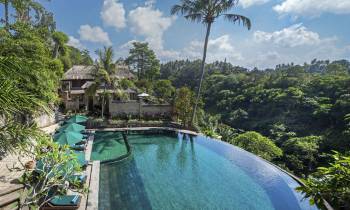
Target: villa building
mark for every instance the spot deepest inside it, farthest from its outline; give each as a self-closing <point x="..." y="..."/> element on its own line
<point x="75" y="94"/>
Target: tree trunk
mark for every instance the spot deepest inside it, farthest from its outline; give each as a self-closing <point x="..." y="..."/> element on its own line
<point x="203" y="72"/>
<point x="6" y="6"/>
<point x="55" y="51"/>
<point x="102" y="106"/>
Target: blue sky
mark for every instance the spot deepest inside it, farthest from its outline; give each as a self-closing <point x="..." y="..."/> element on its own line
<point x="283" y="30"/>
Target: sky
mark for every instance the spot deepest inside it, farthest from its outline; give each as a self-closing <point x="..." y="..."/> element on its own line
<point x="283" y="31"/>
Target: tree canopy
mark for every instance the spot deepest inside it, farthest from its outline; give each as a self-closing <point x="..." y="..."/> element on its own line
<point x="257" y="144"/>
<point x="144" y="61"/>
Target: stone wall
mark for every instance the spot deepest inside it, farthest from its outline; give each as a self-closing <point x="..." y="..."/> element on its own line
<point x="72" y="105"/>
<point x="45" y="120"/>
<point x="133" y="108"/>
<point x="152" y="109"/>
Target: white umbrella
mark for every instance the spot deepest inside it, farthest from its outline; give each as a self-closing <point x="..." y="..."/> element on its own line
<point x="142" y="95"/>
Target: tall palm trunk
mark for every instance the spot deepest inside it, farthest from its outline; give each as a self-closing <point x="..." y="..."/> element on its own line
<point x="203" y="72"/>
<point x="103" y="101"/>
<point x="6" y="6"/>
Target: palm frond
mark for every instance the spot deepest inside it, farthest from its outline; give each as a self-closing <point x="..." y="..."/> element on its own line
<point x="198" y="17"/>
<point x="240" y="19"/>
<point x="224" y="6"/>
<point x="186" y="7"/>
<point x="13" y="98"/>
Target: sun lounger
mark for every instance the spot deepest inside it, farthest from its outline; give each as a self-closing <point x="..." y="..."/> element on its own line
<point x="63" y="202"/>
<point x="78" y="147"/>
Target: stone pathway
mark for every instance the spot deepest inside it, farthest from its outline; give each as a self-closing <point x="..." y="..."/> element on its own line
<point x="11" y="167"/>
<point x="10" y="171"/>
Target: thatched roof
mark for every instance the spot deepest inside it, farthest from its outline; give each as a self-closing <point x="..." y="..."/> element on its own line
<point x="78" y="72"/>
<point x="123" y="72"/>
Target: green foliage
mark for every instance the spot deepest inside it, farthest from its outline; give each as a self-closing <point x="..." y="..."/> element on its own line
<point x="163" y="89"/>
<point x="76" y="57"/>
<point x="331" y="183"/>
<point x="16" y="103"/>
<point x="208" y="124"/>
<point x="184" y="105"/>
<point x="227" y="133"/>
<point x="54" y="168"/>
<point x="280" y="134"/>
<point x="257" y="144"/>
<point x="143" y="60"/>
<point x="40" y="72"/>
<point x="60" y="40"/>
<point x="126" y="83"/>
<point x="300" y="154"/>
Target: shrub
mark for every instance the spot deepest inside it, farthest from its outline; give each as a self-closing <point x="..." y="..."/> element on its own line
<point x="256" y="143"/>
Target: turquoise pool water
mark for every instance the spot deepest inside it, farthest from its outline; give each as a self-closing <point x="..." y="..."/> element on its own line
<point x="176" y="171"/>
<point x="107" y="146"/>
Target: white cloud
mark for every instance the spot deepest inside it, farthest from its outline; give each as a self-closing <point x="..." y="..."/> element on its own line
<point x="94" y="34"/>
<point x="293" y="36"/>
<point x="74" y="42"/>
<point x="249" y="3"/>
<point x="150" y="2"/>
<point x="150" y="23"/>
<point x="113" y="14"/>
<point x="313" y="7"/>
<point x="218" y="49"/>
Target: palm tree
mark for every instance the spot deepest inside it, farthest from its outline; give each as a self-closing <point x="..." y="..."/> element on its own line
<point x="206" y="12"/>
<point x="105" y="77"/>
<point x="106" y="68"/>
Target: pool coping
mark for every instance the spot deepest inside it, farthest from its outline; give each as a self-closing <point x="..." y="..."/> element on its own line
<point x="297" y="179"/>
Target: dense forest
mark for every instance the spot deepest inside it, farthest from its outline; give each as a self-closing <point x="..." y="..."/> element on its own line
<point x="290" y="104"/>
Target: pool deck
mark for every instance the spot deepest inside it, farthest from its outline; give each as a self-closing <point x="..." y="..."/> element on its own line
<point x="92" y="199"/>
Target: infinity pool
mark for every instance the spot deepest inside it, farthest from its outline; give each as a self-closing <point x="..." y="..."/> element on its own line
<point x="176" y="171"/>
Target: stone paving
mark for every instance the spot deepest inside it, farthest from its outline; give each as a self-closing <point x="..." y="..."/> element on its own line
<point x="11" y="167"/>
<point x="10" y="171"/>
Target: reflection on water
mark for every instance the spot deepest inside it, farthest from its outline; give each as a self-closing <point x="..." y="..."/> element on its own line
<point x="186" y="172"/>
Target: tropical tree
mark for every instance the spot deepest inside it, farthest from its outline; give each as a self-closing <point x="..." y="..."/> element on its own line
<point x="184" y="105"/>
<point x="143" y="60"/>
<point x="258" y="144"/>
<point x="24" y="7"/>
<point x="163" y="89"/>
<point x="60" y="40"/>
<point x="207" y="12"/>
<point x="105" y="70"/>
<point x="300" y="154"/>
<point x="55" y="167"/>
<point x="331" y="183"/>
<point x="15" y="103"/>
